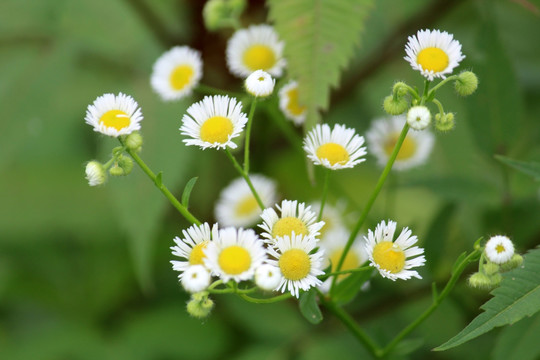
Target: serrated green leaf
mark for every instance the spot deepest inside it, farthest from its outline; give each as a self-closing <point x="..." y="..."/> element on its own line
<point x="309" y="307"/>
<point x="517" y="296"/>
<point x="320" y="37"/>
<point x="187" y="191"/>
<point x="519" y="341"/>
<point x="347" y="289"/>
<point x="531" y="168"/>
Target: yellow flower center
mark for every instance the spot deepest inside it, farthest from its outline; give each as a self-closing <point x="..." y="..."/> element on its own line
<point x="389" y="257"/>
<point x="234" y="260"/>
<point x="217" y="129"/>
<point x="259" y="57"/>
<point x="408" y="148"/>
<point x="116" y="119"/>
<point x="294" y="106"/>
<point x="286" y="225"/>
<point x="247" y="206"/>
<point x="351" y="261"/>
<point x="334" y="153"/>
<point x="196" y="257"/>
<point x="294" y="264"/>
<point x="432" y="59"/>
<point x="181" y="76"/>
<point x="500" y="248"/>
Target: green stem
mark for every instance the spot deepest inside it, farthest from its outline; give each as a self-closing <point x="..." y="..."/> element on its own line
<point x="324" y="193"/>
<point x="436" y="302"/>
<point x="356" y="270"/>
<point x="436" y="87"/>
<point x="372" y="199"/>
<point x="164" y="190"/>
<point x="349" y="322"/>
<point x="272" y="109"/>
<point x="439" y="106"/>
<point x="246" y="177"/>
<point x="248" y="135"/>
<point x="265" y="301"/>
<point x="410" y="90"/>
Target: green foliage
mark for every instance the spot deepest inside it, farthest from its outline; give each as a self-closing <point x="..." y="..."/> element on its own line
<point x="531" y="168"/>
<point x="187" y="191"/>
<point x="519" y="341"/>
<point x="517" y="296"/>
<point x="309" y="306"/>
<point x="320" y="38"/>
<point x="346" y="290"/>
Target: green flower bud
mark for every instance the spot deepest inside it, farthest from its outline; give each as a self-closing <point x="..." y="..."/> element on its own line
<point x="116" y="170"/>
<point x="95" y="173"/>
<point x="466" y="83"/>
<point x="200" y="305"/>
<point x="400" y="89"/>
<point x="134" y="141"/>
<point x="513" y="263"/>
<point x="395" y="107"/>
<point x="480" y="281"/>
<point x="495" y="279"/>
<point x="219" y="14"/>
<point x="490" y="268"/>
<point x="445" y="122"/>
<point x="125" y="163"/>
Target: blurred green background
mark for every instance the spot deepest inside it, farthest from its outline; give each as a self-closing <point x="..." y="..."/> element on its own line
<point x="85" y="273"/>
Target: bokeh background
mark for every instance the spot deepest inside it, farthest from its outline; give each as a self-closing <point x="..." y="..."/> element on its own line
<point x="85" y="273"/>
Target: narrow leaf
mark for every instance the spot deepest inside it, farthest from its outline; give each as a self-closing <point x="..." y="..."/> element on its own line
<point x="159" y="180"/>
<point x="187" y="191"/>
<point x="309" y="307"/>
<point x="531" y="168"/>
<point x="347" y="289"/>
<point x="517" y="296"/>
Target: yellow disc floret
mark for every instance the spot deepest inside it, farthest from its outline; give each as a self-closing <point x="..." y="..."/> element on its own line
<point x="294" y="106"/>
<point x="294" y="264"/>
<point x="196" y="257"/>
<point x="247" y="206"/>
<point x="116" y="119"/>
<point x="334" y="153"/>
<point x="217" y="129"/>
<point x="259" y="57"/>
<point x="389" y="257"/>
<point x="286" y="225"/>
<point x="500" y="248"/>
<point x="181" y="76"/>
<point x="432" y="59"/>
<point x="407" y="150"/>
<point x="234" y="260"/>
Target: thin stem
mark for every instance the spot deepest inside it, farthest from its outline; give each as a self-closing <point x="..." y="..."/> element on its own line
<point x="436" y="87"/>
<point x="285" y="126"/>
<point x="439" y="106"/>
<point x="324" y="192"/>
<point x="173" y="200"/>
<point x="265" y="301"/>
<point x="436" y="302"/>
<point x="372" y="199"/>
<point x="246" y="177"/>
<point x="410" y="90"/>
<point x="349" y="322"/>
<point x="248" y="135"/>
<point x="350" y="271"/>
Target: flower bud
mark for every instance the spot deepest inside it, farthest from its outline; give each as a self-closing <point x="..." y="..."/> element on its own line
<point x="490" y="268"/>
<point x="219" y="14"/>
<point x="200" y="305"/>
<point x="513" y="263"/>
<point x="445" y="122"/>
<point x="495" y="279"/>
<point x="267" y="277"/>
<point x="95" y="173"/>
<point x="125" y="163"/>
<point x="116" y="170"/>
<point x="395" y="107"/>
<point x="418" y="117"/>
<point x="466" y="83"/>
<point x="259" y="83"/>
<point x="400" y="89"/>
<point x="480" y="281"/>
<point x="134" y="141"/>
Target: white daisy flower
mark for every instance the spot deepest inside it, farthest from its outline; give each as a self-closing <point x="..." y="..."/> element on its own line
<point x="260" y="84"/>
<point x="114" y="115"/>
<point x="332" y="217"/>
<point x="213" y="122"/>
<point x="418" y="117"/>
<point x="176" y="73"/>
<point x="190" y="247"/>
<point x="95" y="173"/>
<point x="237" y="206"/>
<point x="499" y="249"/>
<point x="299" y="267"/>
<point x="290" y="105"/>
<point x="295" y="218"/>
<point x="195" y="279"/>
<point x="235" y="254"/>
<point x="383" y="135"/>
<point x="433" y="53"/>
<point x="255" y="48"/>
<point x="394" y="259"/>
<point x="267" y="277"/>
<point x="335" y="149"/>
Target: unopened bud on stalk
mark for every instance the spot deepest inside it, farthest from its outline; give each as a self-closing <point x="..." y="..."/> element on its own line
<point x="95" y="173"/>
<point x="395" y="107"/>
<point x="466" y="83"/>
<point x="134" y="141"/>
<point x="200" y="305"/>
<point x="445" y="122"/>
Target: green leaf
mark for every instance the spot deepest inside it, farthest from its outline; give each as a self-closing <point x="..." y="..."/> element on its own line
<point x="347" y="289"/>
<point x="531" y="168"/>
<point x="320" y="38"/>
<point x="159" y="179"/>
<point x="519" y="341"/>
<point x="309" y="307"/>
<point x="438" y="234"/>
<point x="187" y="191"/>
<point x="518" y="296"/>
